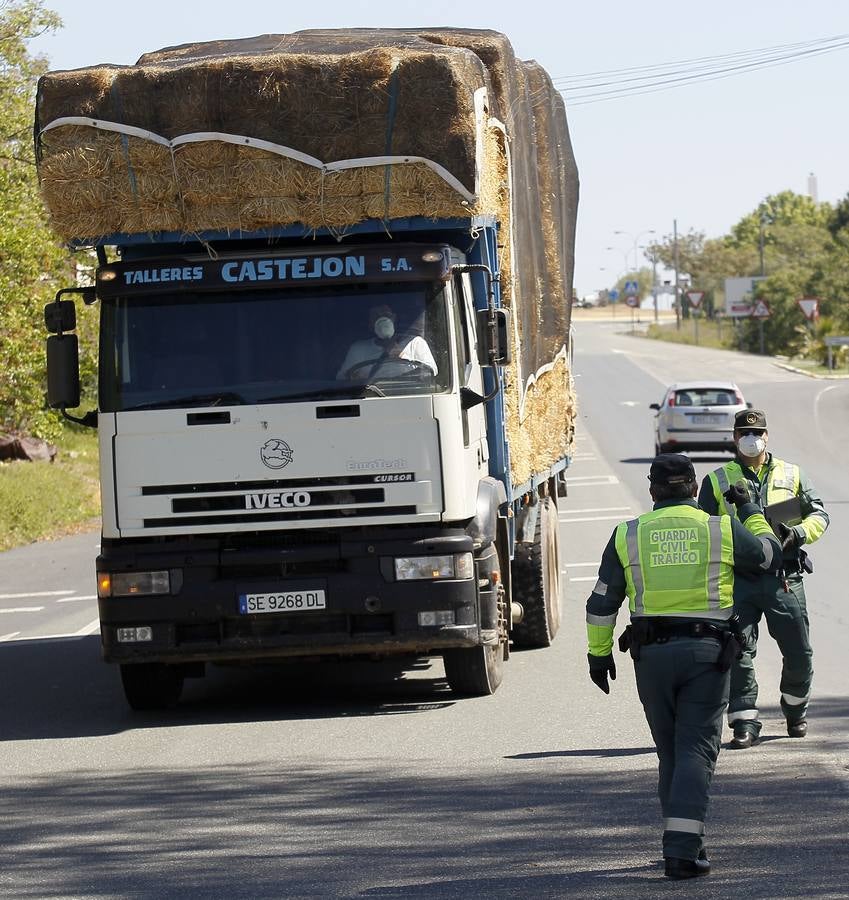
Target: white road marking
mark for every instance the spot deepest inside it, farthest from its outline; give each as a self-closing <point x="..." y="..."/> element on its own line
<point x="17" y="609"/>
<point x="35" y="594"/>
<point x="9" y="636"/>
<point x="86" y="630"/>
<point x="597" y="509"/>
<point x="72" y="599"/>
<point x="594" y="481"/>
<point x="611" y="478"/>
<point x="580" y="565"/>
<point x="591" y="519"/>
<point x="630" y="403"/>
<point x="585" y="578"/>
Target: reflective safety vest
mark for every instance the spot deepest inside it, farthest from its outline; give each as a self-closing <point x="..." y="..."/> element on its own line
<point x="782" y="483"/>
<point x="678" y="561"/>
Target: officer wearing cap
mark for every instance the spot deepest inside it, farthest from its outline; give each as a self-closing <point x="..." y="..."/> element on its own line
<point x="677" y="564"/>
<point x="779" y="598"/>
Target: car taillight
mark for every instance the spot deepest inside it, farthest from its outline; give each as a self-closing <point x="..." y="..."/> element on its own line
<point x="670" y="401"/>
<point x="740" y="399"/>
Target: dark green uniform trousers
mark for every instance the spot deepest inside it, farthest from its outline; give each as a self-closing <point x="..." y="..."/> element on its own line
<point x="786" y="617"/>
<point x="684" y="697"/>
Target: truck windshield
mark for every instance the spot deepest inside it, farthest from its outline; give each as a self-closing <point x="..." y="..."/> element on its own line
<point x="224" y="349"/>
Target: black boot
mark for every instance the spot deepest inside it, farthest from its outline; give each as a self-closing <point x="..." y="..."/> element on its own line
<point x="744" y="737"/>
<point x="687" y="868"/>
<point x="797" y="729"/>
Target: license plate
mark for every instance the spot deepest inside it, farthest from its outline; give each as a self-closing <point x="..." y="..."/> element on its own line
<point x="707" y="419"/>
<point x="281" y="602"/>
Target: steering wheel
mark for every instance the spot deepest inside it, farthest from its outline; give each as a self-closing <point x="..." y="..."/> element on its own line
<point x="395" y="365"/>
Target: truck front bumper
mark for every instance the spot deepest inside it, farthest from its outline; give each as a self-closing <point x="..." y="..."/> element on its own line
<point x="367" y="610"/>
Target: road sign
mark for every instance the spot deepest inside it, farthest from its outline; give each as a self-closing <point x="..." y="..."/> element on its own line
<point x="632" y="288"/>
<point x="761" y="310"/>
<point x="632" y="301"/>
<point x="613" y="294"/>
<point x="810" y="307"/>
<point x="738" y="296"/>
<point x="695" y="298"/>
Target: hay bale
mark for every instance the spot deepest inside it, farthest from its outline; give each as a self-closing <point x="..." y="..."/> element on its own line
<point x="373" y="90"/>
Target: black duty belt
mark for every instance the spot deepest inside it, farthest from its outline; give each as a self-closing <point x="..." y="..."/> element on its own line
<point x="645" y="631"/>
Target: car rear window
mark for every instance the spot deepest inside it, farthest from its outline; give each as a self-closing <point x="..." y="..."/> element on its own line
<point x="705" y="397"/>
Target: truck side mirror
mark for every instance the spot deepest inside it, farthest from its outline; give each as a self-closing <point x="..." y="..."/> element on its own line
<point x="59" y="316"/>
<point x="494" y="337"/>
<point x="63" y="371"/>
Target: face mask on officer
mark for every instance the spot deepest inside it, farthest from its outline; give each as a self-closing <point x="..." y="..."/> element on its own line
<point x="751" y="445"/>
<point x="384" y="328"/>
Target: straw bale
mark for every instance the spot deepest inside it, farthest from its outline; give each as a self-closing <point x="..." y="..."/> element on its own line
<point x="339" y="95"/>
<point x="547" y="431"/>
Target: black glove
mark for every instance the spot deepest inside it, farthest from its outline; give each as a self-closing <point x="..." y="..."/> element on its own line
<point x="738" y="494"/>
<point x="788" y="536"/>
<point x="600" y="667"/>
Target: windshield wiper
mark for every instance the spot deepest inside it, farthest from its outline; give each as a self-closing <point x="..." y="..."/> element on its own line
<point x="326" y="393"/>
<point x="229" y="398"/>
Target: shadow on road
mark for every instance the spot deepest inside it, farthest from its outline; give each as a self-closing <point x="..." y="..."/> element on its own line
<point x="597" y="751"/>
<point x="62" y="688"/>
<point x="294" y="827"/>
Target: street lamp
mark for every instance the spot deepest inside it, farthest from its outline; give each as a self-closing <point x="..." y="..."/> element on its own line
<point x="636" y="241"/>
<point x="624" y="253"/>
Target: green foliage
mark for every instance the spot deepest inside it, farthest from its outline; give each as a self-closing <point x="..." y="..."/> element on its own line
<point x="41" y="499"/>
<point x="805" y="254"/>
<point x="786" y="208"/>
<point x="32" y="263"/>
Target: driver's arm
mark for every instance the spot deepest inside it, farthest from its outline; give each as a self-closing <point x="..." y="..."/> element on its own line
<point x="351" y="357"/>
<point x="419" y="351"/>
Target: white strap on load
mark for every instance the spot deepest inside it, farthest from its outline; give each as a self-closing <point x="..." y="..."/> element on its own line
<point x="241" y="140"/>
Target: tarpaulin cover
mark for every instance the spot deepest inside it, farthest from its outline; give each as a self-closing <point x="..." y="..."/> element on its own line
<point x="328" y="128"/>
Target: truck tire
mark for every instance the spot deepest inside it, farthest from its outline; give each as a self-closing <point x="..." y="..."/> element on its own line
<point x="152" y="685"/>
<point x="474" y="671"/>
<point x="536" y="581"/>
<point x="478" y="671"/>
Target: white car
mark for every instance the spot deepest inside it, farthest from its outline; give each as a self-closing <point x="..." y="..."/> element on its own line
<point x="697" y="415"/>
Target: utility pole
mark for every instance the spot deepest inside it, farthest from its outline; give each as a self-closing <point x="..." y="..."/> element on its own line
<point x="761" y="244"/>
<point x="675" y="262"/>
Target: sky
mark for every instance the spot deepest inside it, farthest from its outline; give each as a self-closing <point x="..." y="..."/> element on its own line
<point x="702" y="155"/>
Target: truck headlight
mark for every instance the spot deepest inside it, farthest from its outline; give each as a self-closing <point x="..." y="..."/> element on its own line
<point x="428" y="568"/>
<point x="129" y="584"/>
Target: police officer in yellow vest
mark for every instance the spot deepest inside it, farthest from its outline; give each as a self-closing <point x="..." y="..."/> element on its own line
<point x="781" y="598"/>
<point x="676" y="564"/>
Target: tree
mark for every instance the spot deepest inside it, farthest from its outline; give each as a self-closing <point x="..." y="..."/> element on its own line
<point x="32" y="263"/>
<point x="786" y="208"/>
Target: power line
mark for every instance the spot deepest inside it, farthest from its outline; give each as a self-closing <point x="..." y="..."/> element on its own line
<point x="700" y="59"/>
<point x="658" y="80"/>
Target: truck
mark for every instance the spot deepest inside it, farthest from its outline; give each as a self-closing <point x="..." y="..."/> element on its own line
<point x="334" y="402"/>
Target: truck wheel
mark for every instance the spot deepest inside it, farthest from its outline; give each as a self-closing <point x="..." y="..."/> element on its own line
<point x="478" y="671"/>
<point x="474" y="671"/>
<point x="536" y="581"/>
<point x="152" y="685"/>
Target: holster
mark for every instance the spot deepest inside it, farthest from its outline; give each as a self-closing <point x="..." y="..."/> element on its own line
<point x="733" y="643"/>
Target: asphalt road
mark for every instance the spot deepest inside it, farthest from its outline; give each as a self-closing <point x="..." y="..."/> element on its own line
<point x="372" y="780"/>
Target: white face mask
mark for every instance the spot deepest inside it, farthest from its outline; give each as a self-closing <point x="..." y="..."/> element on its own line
<point x="384" y="328"/>
<point x="751" y="445"/>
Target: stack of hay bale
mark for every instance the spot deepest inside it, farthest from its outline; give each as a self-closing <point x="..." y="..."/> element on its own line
<point x="327" y="129"/>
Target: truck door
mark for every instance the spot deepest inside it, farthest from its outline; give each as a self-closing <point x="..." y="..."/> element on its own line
<point x="470" y="375"/>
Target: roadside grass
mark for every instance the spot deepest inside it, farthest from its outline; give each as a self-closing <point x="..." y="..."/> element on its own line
<point x="709" y="333"/>
<point x="45" y="500"/>
<point x="720" y="335"/>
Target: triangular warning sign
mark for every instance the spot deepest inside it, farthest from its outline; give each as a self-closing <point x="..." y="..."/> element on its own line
<point x="809" y="306"/>
<point x="695" y="298"/>
<point x="760" y="310"/>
